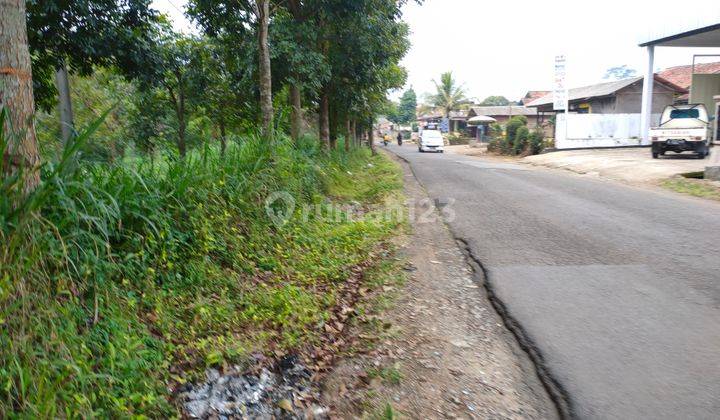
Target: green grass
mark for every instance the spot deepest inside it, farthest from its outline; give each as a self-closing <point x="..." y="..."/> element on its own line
<point x="117" y="281"/>
<point x="389" y="375"/>
<point x="694" y="187"/>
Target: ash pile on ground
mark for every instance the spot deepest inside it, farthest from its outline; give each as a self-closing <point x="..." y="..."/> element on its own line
<point x="284" y="392"/>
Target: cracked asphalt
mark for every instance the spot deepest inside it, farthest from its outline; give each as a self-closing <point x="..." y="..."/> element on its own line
<point x="617" y="288"/>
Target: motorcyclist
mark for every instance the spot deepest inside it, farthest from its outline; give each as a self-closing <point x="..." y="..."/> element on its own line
<point x="386" y="139"/>
<point x="399" y="139"/>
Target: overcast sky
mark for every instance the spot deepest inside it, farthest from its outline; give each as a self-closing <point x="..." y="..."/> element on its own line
<point x="507" y="47"/>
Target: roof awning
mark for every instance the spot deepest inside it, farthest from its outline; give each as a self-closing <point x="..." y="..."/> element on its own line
<point x="481" y="119"/>
<point x="706" y="36"/>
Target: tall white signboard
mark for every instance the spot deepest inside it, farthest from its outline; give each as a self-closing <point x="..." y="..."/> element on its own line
<point x="560" y="89"/>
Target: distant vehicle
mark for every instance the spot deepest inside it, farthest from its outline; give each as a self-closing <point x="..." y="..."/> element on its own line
<point x="683" y="128"/>
<point x="431" y="141"/>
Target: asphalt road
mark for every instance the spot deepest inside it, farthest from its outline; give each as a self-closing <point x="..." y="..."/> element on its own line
<point x="617" y="287"/>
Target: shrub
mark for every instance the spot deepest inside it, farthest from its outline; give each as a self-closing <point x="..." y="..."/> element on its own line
<point x="520" y="140"/>
<point x="513" y="125"/>
<point x="536" y="142"/>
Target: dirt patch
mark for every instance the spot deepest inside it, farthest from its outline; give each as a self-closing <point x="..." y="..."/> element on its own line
<point x="445" y="352"/>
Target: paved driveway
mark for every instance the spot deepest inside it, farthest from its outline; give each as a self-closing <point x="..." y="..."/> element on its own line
<point x="629" y="164"/>
<point x="617" y="287"/>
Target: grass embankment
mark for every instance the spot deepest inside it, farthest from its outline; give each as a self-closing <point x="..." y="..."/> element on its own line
<point x="695" y="187"/>
<point x="130" y="277"/>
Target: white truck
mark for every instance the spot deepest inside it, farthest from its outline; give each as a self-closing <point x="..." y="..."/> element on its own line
<point x="683" y="128"/>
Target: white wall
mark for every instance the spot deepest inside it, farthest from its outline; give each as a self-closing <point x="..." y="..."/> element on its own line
<point x="600" y="130"/>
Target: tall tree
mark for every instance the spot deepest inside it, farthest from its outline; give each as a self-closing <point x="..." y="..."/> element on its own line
<point x="449" y="95"/>
<point x="175" y="69"/>
<point x="75" y="36"/>
<point x="495" y="101"/>
<point x="234" y="20"/>
<point x="16" y="95"/>
<point x="262" y="10"/>
<point x="365" y="42"/>
<point x="408" y="107"/>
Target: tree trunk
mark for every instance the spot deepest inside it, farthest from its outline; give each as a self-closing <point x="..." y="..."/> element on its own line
<point x="333" y="127"/>
<point x="266" y="102"/>
<point x="67" y="125"/>
<point x="223" y="140"/>
<point x="355" y="133"/>
<point x="295" y="112"/>
<point x="324" y="123"/>
<point x="371" y="138"/>
<point x="348" y="134"/>
<point x="16" y="95"/>
<point x="182" y="145"/>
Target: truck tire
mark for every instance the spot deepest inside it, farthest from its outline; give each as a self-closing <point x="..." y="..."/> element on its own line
<point x="703" y="152"/>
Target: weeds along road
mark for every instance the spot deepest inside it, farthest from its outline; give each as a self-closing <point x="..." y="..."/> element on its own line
<point x="616" y="288"/>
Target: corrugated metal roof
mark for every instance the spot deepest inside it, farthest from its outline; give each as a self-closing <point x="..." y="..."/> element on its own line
<point x="492" y="111"/>
<point x="604" y="89"/>
<point x="592" y="91"/>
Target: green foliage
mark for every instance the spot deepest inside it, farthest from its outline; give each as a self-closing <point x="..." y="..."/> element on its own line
<point x="408" y="107"/>
<point x="694" y="187"/>
<point x="117" y="280"/>
<point x="516" y="139"/>
<point x="102" y="90"/>
<point x="449" y="95"/>
<point x="536" y="142"/>
<point x="513" y="125"/>
<point x="520" y="140"/>
<point x="85" y="34"/>
<point x="495" y="101"/>
<point x="389" y="375"/>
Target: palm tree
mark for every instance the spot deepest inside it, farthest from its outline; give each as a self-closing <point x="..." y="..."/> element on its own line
<point x="449" y="95"/>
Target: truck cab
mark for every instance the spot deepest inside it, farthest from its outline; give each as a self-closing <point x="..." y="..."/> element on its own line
<point x="683" y="128"/>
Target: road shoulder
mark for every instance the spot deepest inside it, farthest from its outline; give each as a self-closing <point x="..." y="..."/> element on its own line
<point x="445" y="352"/>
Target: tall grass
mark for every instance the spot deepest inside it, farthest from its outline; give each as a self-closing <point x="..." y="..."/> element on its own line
<point x="118" y="280"/>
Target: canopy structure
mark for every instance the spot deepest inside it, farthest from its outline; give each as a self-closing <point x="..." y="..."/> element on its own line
<point x="481" y="119"/>
<point x="705" y="35"/>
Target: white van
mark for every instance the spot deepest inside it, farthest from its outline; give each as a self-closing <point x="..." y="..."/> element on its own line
<point x="431" y="141"/>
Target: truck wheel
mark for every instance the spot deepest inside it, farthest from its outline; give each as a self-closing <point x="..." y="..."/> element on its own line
<point x="703" y="152"/>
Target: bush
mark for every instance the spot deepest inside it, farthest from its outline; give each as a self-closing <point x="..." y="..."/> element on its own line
<point x="536" y="142"/>
<point x="117" y="281"/>
<point x="520" y="140"/>
<point x="513" y="125"/>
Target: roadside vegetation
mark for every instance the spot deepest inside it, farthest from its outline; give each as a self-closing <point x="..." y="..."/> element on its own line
<point x="695" y="187"/>
<point x="120" y="279"/>
<point x="515" y="138"/>
<point x="138" y="243"/>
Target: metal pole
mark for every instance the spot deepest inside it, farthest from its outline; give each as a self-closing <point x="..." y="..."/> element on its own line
<point x="647" y="96"/>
